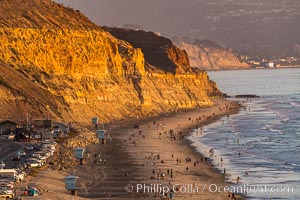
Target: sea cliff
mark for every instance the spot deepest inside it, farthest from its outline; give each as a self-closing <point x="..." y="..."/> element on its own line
<point x="207" y="55"/>
<point x="65" y="67"/>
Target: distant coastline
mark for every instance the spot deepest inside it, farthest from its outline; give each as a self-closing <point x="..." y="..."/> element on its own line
<point x="258" y="68"/>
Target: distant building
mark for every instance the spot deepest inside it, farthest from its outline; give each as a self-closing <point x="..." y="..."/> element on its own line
<point x="157" y="33"/>
<point x="8" y="125"/>
<point x="244" y="57"/>
<point x="254" y="63"/>
<point x="41" y="124"/>
<point x="270" y="65"/>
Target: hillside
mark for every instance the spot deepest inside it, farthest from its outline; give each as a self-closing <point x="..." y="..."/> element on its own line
<point x="159" y="51"/>
<point x="207" y="55"/>
<point x="59" y="64"/>
<point x="41" y="14"/>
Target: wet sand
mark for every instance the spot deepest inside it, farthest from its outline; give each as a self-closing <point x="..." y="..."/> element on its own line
<point x="141" y="156"/>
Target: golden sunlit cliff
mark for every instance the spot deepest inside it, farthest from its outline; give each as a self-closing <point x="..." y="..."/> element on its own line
<point x="55" y="62"/>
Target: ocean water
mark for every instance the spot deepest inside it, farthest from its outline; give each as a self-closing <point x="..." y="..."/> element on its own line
<point x="261" y="144"/>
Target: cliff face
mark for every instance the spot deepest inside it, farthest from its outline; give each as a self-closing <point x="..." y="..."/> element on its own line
<point x="207" y="55"/>
<point x="75" y="52"/>
<point x="158" y="51"/>
<point x="63" y="66"/>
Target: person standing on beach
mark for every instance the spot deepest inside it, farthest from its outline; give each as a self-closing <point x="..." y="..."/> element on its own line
<point x="233" y="197"/>
<point x="171" y="194"/>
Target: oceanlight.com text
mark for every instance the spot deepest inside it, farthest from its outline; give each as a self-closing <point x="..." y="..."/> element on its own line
<point x="211" y="188"/>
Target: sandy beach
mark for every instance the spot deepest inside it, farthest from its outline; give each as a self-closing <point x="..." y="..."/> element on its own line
<point x="142" y="163"/>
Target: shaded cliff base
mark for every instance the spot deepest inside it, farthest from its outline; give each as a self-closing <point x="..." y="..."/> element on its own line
<point x="126" y="161"/>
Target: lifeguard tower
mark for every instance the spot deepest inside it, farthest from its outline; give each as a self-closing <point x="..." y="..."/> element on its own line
<point x="95" y="122"/>
<point x="101" y="136"/>
<point x="79" y="154"/>
<point x="70" y="182"/>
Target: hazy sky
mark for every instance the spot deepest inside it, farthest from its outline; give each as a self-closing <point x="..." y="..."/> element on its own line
<point x="268" y="25"/>
<point x="150" y="14"/>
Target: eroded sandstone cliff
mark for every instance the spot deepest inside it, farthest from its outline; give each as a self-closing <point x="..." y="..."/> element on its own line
<point x="63" y="66"/>
<point x="207" y="55"/>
